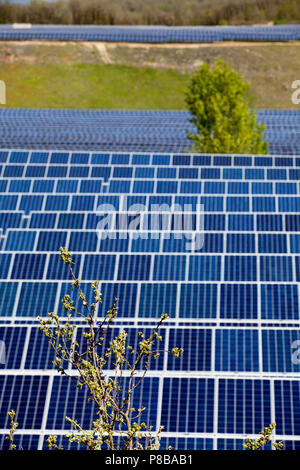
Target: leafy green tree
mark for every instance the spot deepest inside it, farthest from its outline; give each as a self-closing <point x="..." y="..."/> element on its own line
<point x="117" y="420"/>
<point x="266" y="436"/>
<point x="217" y="100"/>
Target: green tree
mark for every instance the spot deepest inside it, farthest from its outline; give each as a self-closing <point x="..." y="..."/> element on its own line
<point x="217" y="100"/>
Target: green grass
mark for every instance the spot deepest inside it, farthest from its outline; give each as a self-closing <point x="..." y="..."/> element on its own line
<point x="93" y="86"/>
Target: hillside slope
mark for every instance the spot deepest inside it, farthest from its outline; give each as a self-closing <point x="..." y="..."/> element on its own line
<point x="128" y="76"/>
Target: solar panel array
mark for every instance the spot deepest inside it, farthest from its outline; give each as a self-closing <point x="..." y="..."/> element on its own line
<point x="151" y="34"/>
<point x="233" y="302"/>
<point x="143" y="131"/>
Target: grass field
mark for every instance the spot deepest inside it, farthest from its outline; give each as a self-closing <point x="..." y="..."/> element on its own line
<point x="124" y="76"/>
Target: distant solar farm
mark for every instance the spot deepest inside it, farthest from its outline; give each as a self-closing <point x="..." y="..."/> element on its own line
<point x="233" y="300"/>
<point x="127" y="131"/>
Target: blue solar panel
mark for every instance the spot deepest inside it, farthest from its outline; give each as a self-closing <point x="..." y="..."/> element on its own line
<point x="43" y="186"/>
<point x="40" y="354"/>
<point x="57" y="203"/>
<point x="26" y="395"/>
<point x="237" y="350"/>
<point x="195" y="412"/>
<point x="14" y="339"/>
<point x="36" y="297"/>
<point x="205" y="268"/>
<point x="35" y="171"/>
<point x="251" y="398"/>
<point x="198" y="300"/>
<point x="31" y="203"/>
<point x="20" y="241"/>
<point x="269" y="222"/>
<point x="42" y="220"/>
<point x="279" y="301"/>
<point x="185" y="443"/>
<point x="276" y="269"/>
<point x="21" y="441"/>
<point x="197" y="347"/>
<point x="287" y="407"/>
<point x="240" y="243"/>
<point x="19" y="186"/>
<point x="7" y="297"/>
<point x="28" y="266"/>
<point x="134" y="267"/>
<point x="66" y="186"/>
<point x="234" y="444"/>
<point x="239" y="301"/>
<point x="240" y="268"/>
<point x="98" y="267"/>
<point x="8" y="202"/>
<point x="156" y="299"/>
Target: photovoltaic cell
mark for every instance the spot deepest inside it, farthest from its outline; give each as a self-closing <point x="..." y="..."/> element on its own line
<point x="237" y="350"/>
<point x="26" y="395"/>
<point x="251" y="398"/>
<point x="194" y="414"/>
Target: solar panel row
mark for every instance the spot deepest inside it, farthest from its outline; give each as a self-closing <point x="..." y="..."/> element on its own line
<point x="137" y="267"/>
<point x="200" y="302"/>
<point x="195" y="416"/>
<point x="210" y="349"/>
<point x="40" y="160"/>
<point x="132" y="131"/>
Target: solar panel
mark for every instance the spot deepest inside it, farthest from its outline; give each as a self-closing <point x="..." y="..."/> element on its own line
<point x="233" y="301"/>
